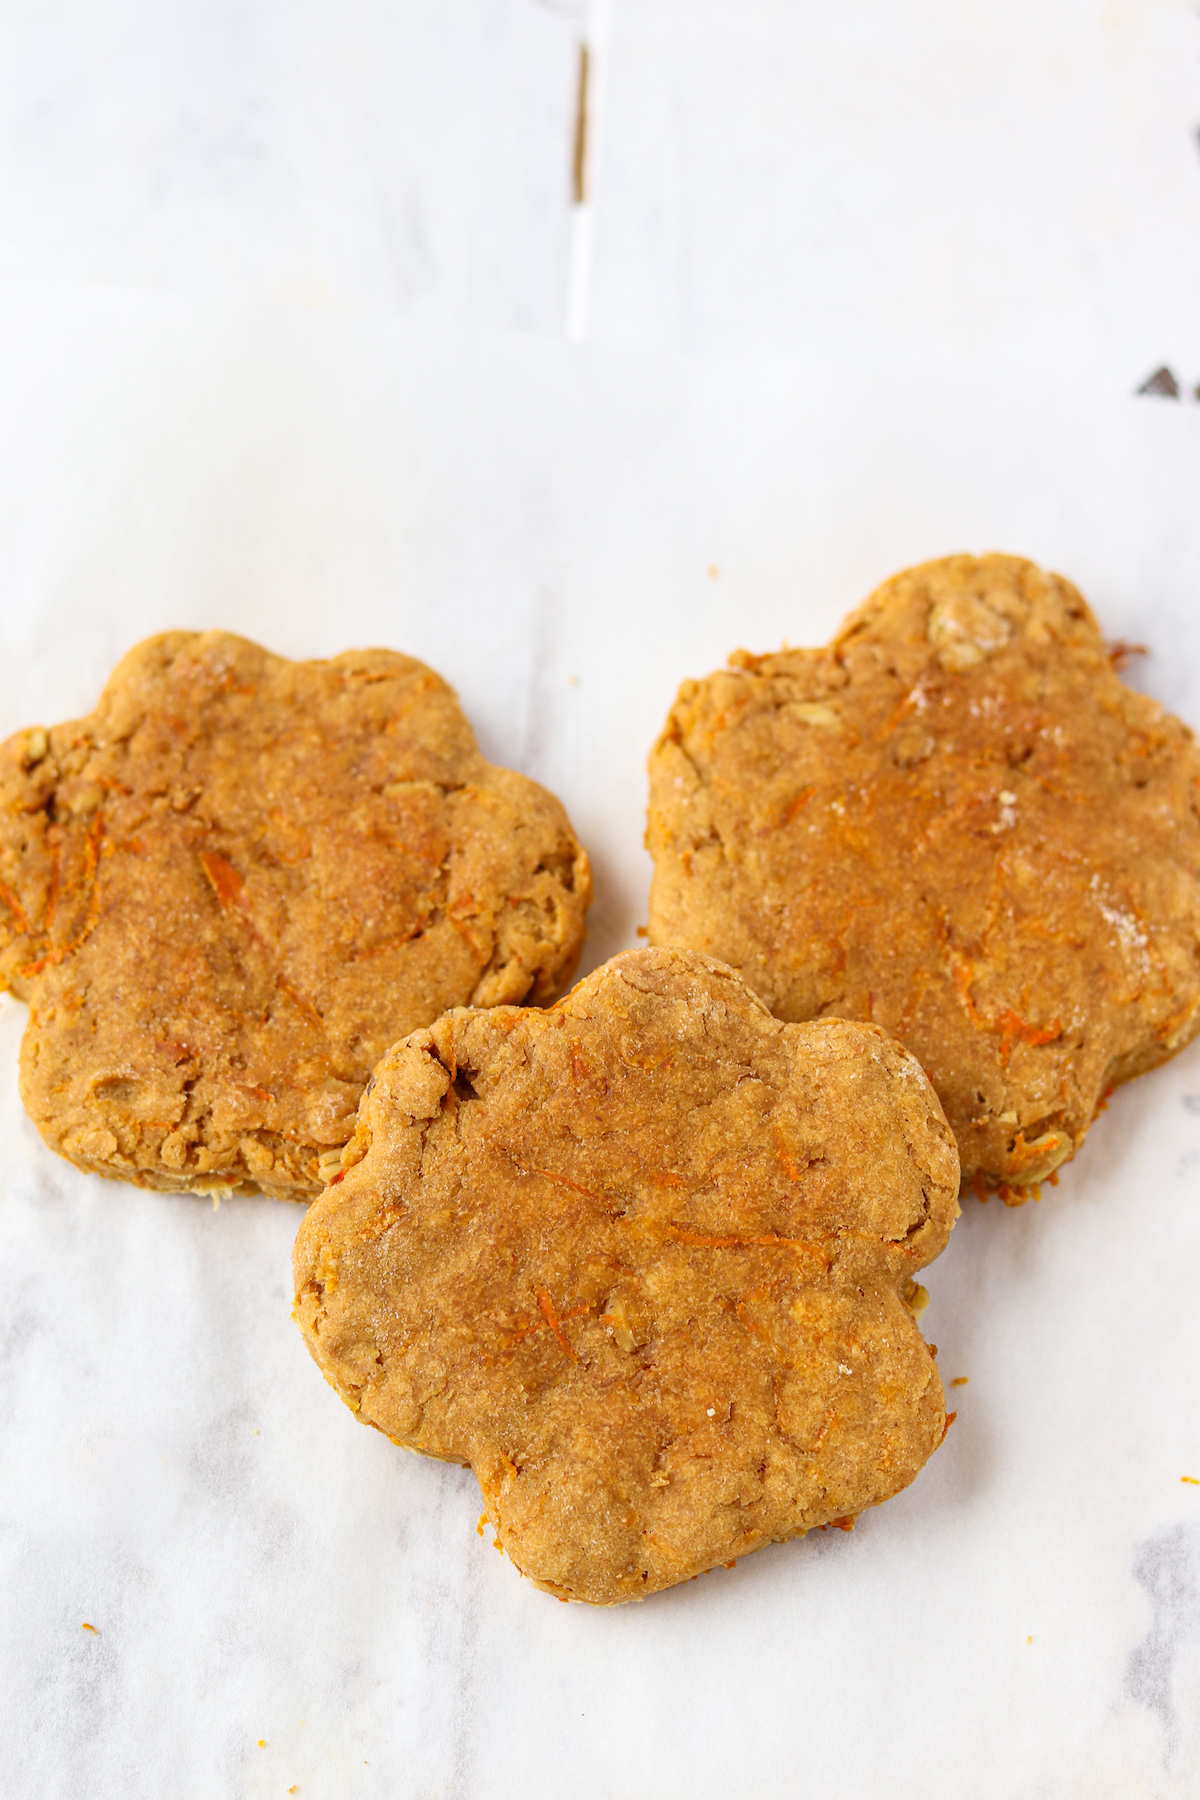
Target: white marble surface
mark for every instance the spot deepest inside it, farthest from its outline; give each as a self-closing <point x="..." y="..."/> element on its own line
<point x="771" y="178"/>
<point x="949" y="172"/>
<point x="235" y="390"/>
<point x="413" y="156"/>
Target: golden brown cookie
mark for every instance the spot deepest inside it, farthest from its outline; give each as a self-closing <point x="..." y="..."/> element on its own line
<point x="955" y="821"/>
<point x="226" y="892"/>
<point x="639" y="1261"/>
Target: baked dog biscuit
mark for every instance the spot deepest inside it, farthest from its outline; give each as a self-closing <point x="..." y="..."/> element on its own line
<point x="226" y="892"/>
<point x="955" y="821"/>
<point x="640" y="1261"/>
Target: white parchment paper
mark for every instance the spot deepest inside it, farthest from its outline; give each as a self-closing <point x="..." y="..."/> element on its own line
<point x="283" y="1602"/>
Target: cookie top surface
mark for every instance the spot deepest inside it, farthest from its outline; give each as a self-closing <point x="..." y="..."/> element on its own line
<point x="639" y="1260"/>
<point x="233" y="886"/>
<point x="958" y="822"/>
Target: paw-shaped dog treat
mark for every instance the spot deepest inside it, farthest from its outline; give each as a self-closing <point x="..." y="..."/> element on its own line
<point x="957" y="822"/>
<point x="639" y="1261"/>
<point x="233" y="886"/>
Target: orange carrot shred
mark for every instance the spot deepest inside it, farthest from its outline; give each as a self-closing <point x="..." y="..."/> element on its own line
<point x="226" y="883"/>
<point x="797" y="805"/>
<point x="552" y="1319"/>
<point x="1023" y="1152"/>
<point x="564" y="1181"/>
<point x="1014" y="1027"/>
<point x="964" y="975"/>
<point x="299" y="1001"/>
<point x="902" y="709"/>
<point x="793" y="1173"/>
<point x="92" y="849"/>
<point x="711" y="1241"/>
<point x="13" y="903"/>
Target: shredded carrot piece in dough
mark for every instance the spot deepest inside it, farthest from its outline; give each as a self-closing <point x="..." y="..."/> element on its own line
<point x="1015" y="1028"/>
<point x="964" y="975"/>
<point x="798" y="804"/>
<point x="827" y="1425"/>
<point x="92" y="871"/>
<point x="20" y="917"/>
<point x="299" y="1001"/>
<point x="1023" y="1152"/>
<point x="564" y="1181"/>
<point x="903" y="707"/>
<point x="552" y="1319"/>
<point x="1010" y="1025"/>
<point x="227" y="884"/>
<point x="793" y="1173"/>
<point x="516" y="1333"/>
<point x="766" y="1240"/>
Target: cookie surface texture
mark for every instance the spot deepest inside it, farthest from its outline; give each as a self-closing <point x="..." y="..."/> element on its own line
<point x="226" y="892"/>
<point x="956" y="821"/>
<point x="639" y="1261"/>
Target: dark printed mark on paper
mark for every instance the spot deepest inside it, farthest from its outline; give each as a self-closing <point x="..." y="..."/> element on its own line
<point x="1164" y="384"/>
